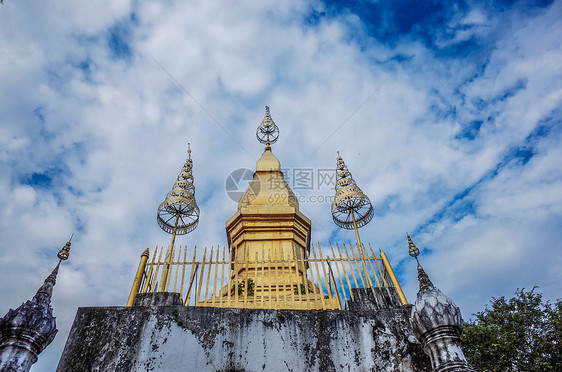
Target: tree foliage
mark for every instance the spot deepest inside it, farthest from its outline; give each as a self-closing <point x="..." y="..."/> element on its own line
<point x="522" y="333"/>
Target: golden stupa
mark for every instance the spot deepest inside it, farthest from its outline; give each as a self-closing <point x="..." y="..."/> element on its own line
<point x="269" y="262"/>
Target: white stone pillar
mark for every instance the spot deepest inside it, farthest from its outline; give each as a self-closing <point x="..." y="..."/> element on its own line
<point x="14" y="358"/>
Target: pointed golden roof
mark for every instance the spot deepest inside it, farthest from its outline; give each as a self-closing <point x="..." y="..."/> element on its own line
<point x="268" y="162"/>
<point x="268" y="187"/>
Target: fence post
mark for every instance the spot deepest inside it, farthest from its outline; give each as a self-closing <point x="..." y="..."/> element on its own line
<point x="138" y="278"/>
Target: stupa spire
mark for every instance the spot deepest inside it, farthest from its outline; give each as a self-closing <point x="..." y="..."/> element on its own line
<point x="26" y="331"/>
<point x="437" y="323"/>
<point x="423" y="278"/>
<point x="45" y="292"/>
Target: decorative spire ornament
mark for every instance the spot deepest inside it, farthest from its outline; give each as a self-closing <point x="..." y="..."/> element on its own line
<point x="178" y="214"/>
<point x="437" y="323"/>
<point x="351" y="209"/>
<point x="267" y="132"/>
<point x="65" y="251"/>
<point x="413" y="251"/>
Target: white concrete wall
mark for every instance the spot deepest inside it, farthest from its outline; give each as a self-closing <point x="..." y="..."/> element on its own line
<point x="177" y="338"/>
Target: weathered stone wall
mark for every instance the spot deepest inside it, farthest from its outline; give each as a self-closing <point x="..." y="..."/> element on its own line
<point x="178" y="338"/>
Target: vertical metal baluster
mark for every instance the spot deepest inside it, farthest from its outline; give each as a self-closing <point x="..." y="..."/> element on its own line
<point x="201" y="277"/>
<point x="177" y="269"/>
<point x="246" y="274"/>
<point x="256" y="281"/>
<point x="373" y="269"/>
<point x="378" y="266"/>
<point x="222" y="276"/>
<point x="191" y="277"/>
<point x="350" y="267"/>
<point x="263" y="277"/>
<point x="236" y="303"/>
<point x="229" y="283"/>
<point x="214" y="293"/>
<point x="155" y="285"/>
<point x="339" y="276"/>
<point x="319" y="279"/>
<point x="326" y="278"/>
<point x="307" y="302"/>
<point x="356" y="264"/>
<point x="183" y="270"/>
<point x="206" y="297"/>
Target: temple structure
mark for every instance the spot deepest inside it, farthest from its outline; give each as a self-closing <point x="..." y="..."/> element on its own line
<point x="270" y="300"/>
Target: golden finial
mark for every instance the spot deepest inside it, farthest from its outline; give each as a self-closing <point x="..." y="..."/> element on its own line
<point x="423" y="278"/>
<point x="351" y="208"/>
<point x="65" y="251"/>
<point x="413" y="250"/>
<point x="267" y="132"/>
<point x="179" y="213"/>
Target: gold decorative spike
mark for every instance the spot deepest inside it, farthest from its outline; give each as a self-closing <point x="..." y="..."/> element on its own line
<point x="267" y="132"/>
<point x="178" y="214"/>
<point x="65" y="251"/>
<point x="351" y="208"/>
<point x="423" y="278"/>
<point x="413" y="250"/>
<point x="181" y="208"/>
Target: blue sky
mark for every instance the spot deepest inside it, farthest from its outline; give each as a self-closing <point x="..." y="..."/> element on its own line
<point x="446" y="113"/>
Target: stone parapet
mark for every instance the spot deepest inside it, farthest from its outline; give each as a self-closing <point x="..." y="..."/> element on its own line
<point x="179" y="338"/>
<point x="157" y="299"/>
<point x="375" y="298"/>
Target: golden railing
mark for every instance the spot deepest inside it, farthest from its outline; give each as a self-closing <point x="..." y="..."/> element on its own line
<point x="268" y="280"/>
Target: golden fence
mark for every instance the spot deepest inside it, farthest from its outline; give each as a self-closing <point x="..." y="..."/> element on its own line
<point x="321" y="280"/>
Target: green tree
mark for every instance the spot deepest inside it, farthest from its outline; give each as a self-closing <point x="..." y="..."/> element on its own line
<point x="522" y="333"/>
